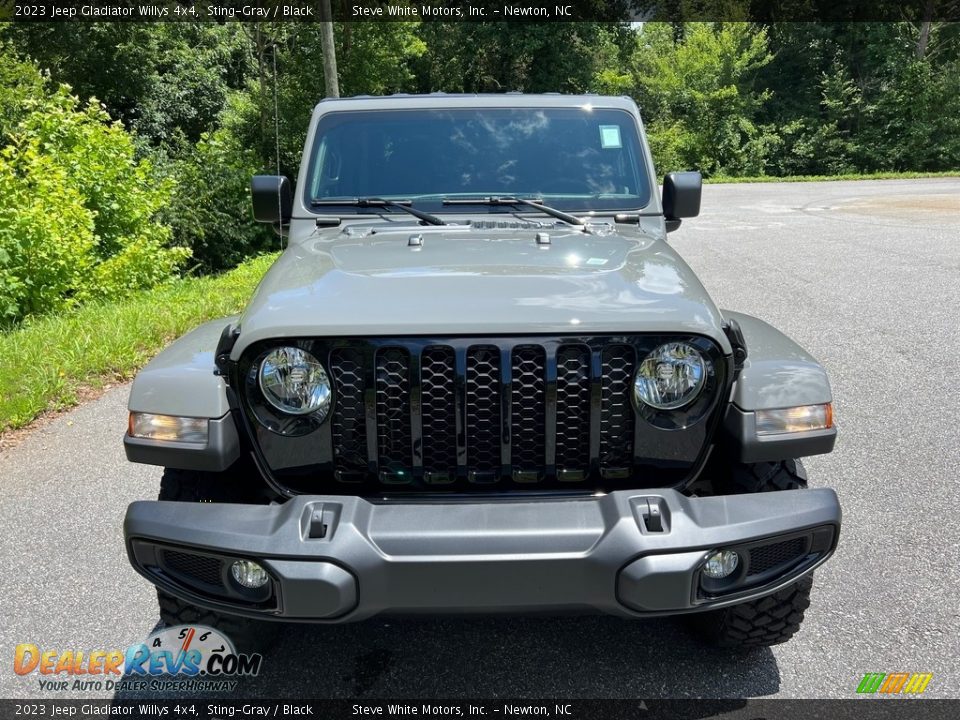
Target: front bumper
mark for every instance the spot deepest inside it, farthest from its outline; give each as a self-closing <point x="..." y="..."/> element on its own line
<point x="337" y="559"/>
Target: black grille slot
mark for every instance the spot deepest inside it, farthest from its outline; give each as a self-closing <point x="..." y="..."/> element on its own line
<point x="768" y="557"/>
<point x="349" y="422"/>
<point x="528" y="408"/>
<point x="573" y="408"/>
<point x="438" y="374"/>
<point x="616" y="411"/>
<point x="483" y="410"/>
<point x="393" y="414"/>
<point x="200" y="568"/>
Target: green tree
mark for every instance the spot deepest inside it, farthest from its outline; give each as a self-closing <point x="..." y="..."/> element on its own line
<point x="527" y="57"/>
<point x="699" y="95"/>
<point x="165" y="81"/>
<point x="20" y="83"/>
<point x="210" y="211"/>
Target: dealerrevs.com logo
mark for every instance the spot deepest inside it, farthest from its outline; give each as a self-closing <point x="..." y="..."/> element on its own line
<point x="183" y="657"/>
<point x="898" y="683"/>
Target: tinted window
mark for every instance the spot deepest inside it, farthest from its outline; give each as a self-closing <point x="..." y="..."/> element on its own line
<point x="574" y="158"/>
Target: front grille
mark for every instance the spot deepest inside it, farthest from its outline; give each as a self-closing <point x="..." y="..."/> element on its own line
<point x="521" y="411"/>
<point x="203" y="569"/>
<point x="767" y="557"/>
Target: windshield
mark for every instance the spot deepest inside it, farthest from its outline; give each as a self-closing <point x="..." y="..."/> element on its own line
<point x="571" y="158"/>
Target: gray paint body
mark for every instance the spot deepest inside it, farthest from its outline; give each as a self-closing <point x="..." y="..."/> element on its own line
<point x="778" y="373"/>
<point x="363" y="278"/>
<point x="466" y="281"/>
<point x="180" y="380"/>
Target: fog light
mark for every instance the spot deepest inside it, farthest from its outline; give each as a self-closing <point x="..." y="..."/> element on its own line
<point x="721" y="564"/>
<point x="249" y="574"/>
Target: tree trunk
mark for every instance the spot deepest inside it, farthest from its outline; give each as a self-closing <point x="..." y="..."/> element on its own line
<point x="329" y="50"/>
<point x="925" y="30"/>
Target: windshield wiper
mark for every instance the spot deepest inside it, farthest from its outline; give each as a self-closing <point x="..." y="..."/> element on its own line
<point x="495" y="200"/>
<point x="380" y="202"/>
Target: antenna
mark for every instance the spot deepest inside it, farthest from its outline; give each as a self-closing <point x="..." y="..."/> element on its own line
<point x="276" y="138"/>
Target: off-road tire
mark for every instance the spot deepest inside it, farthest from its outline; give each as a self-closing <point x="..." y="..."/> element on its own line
<point x="767" y="477"/>
<point x="773" y="619"/>
<point x="248" y="635"/>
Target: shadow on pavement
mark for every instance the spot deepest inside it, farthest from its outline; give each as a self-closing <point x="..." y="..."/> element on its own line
<point x="565" y="657"/>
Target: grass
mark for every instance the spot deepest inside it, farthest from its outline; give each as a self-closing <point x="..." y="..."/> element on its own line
<point x="831" y="178"/>
<point x="50" y="362"/>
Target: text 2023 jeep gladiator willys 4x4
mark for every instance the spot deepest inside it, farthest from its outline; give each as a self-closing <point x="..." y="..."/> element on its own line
<point x="479" y="379"/>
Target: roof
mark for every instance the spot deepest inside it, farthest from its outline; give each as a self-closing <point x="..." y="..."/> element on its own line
<point x="511" y="99"/>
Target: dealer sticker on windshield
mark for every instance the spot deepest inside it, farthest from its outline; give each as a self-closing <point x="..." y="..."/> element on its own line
<point x="610" y="136"/>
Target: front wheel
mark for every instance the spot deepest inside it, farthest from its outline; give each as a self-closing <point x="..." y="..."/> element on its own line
<point x="247" y="635"/>
<point x="773" y="619"/>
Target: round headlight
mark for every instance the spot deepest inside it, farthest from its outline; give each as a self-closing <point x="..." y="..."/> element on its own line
<point x="671" y="376"/>
<point x="294" y="382"/>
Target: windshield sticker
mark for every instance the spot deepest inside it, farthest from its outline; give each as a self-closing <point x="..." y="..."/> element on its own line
<point x="610" y="136"/>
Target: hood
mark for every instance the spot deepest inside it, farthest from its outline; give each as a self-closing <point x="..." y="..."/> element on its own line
<point x="475" y="280"/>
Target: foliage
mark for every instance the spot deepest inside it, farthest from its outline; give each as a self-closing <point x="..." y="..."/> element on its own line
<point x="165" y="81"/>
<point x="210" y="210"/>
<point x="372" y="59"/>
<point x="205" y="105"/>
<point x="864" y="97"/>
<point x="699" y="97"/>
<point x="527" y="57"/>
<point x="76" y="211"/>
<point x="47" y="361"/>
<point x="20" y="82"/>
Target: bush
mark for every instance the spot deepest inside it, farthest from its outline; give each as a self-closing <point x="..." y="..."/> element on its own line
<point x="77" y="210"/>
<point x="210" y="211"/>
<point x="19" y="82"/>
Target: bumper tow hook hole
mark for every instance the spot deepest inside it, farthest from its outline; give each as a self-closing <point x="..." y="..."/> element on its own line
<point x="317" y="527"/>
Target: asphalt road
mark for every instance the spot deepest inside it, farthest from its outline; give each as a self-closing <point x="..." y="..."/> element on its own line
<point x="866" y="275"/>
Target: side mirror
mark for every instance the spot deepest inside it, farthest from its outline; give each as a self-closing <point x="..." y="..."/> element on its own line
<point x="272" y="198"/>
<point x="681" y="197"/>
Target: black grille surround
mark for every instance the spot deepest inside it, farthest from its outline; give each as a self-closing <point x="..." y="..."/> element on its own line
<point x="479" y="414"/>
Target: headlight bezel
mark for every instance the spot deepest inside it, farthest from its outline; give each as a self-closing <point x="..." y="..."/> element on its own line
<point x="270" y="414"/>
<point x="700" y="405"/>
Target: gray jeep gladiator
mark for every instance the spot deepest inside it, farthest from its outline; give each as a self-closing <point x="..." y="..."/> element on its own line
<point x="479" y="379"/>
